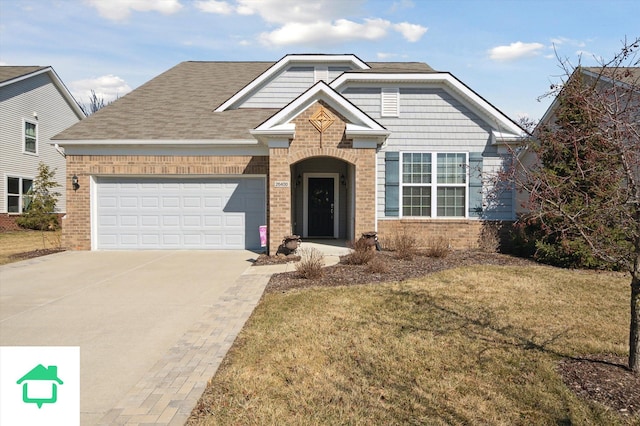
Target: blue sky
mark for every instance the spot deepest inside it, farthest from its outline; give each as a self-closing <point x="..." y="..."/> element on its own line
<point x="502" y="49"/>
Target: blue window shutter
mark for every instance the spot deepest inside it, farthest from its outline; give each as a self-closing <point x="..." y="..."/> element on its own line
<point x="392" y="184"/>
<point x="475" y="184"/>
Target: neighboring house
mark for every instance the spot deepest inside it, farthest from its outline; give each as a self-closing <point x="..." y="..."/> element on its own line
<point x="322" y="146"/>
<point x="40" y="385"/>
<point x="34" y="106"/>
<point x="609" y="80"/>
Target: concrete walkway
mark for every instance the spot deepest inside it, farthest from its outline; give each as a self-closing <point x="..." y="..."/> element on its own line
<point x="152" y="326"/>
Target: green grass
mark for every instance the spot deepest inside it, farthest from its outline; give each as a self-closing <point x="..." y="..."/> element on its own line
<point x="474" y="345"/>
<point x="14" y="242"/>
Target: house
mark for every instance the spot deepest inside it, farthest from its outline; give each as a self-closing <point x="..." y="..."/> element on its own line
<point x="34" y="106"/>
<point x="45" y="381"/>
<point x="614" y="89"/>
<point x="322" y="146"/>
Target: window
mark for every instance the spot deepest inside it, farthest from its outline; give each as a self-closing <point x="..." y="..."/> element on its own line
<point x="30" y="137"/>
<point x="443" y="192"/>
<point x="17" y="194"/>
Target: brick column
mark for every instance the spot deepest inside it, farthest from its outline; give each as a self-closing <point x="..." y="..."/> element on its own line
<point x="365" y="213"/>
<point x="279" y="198"/>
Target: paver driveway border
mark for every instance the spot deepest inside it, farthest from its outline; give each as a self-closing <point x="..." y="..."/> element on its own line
<point x="119" y="301"/>
<point x="170" y="390"/>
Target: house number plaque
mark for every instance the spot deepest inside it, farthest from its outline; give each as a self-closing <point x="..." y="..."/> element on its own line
<point x="281" y="184"/>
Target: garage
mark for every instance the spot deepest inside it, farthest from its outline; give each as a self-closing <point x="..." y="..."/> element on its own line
<point x="178" y="213"/>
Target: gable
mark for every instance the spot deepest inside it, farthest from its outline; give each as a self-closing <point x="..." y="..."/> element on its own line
<point x="403" y="97"/>
<point x="289" y="77"/>
<point x="358" y="124"/>
<point x="287" y="85"/>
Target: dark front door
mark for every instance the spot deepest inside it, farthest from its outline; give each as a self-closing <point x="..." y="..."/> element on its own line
<point x="321" y="207"/>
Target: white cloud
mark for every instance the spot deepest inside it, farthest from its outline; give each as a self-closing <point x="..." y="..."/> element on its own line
<point x="411" y="32"/>
<point x="108" y="87"/>
<point x="385" y="55"/>
<point x="326" y="32"/>
<point x="295" y="11"/>
<point x="297" y="22"/>
<point x="213" y="6"/>
<point x="515" y="50"/>
<point x="118" y="10"/>
<point x="402" y="4"/>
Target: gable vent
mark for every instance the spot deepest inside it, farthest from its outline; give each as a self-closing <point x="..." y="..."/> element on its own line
<point x="390" y="102"/>
<point x="321" y="73"/>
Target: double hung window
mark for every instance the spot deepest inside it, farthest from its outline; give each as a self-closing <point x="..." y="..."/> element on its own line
<point x="30" y="137"/>
<point x="18" y="198"/>
<point x="429" y="191"/>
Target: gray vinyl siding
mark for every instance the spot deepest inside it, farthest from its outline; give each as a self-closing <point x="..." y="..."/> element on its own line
<point x="282" y="89"/>
<point x="288" y="85"/>
<point x="433" y="120"/>
<point x="18" y="102"/>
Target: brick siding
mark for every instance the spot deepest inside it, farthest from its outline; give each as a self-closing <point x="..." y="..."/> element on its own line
<point x="309" y="143"/>
<point x="76" y="228"/>
<point x="460" y="234"/>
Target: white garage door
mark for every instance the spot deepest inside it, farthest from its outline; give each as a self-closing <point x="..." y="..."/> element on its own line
<point x="166" y="213"/>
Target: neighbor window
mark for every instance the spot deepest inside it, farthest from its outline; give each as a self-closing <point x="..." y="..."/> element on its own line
<point x="30" y="137"/>
<point x="17" y="194"/>
<point x="429" y="194"/>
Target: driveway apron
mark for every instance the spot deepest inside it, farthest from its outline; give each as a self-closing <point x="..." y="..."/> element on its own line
<point x="152" y="326"/>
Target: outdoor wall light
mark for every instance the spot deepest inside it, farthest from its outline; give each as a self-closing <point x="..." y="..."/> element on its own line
<point x="74" y="182"/>
<point x="298" y="180"/>
<point x="343" y="180"/>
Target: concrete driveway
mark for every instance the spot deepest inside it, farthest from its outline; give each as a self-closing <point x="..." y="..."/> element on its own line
<point x="152" y="326"/>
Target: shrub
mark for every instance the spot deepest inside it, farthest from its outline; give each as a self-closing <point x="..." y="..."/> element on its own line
<point x="39" y="213"/>
<point x="438" y="247"/>
<point x="405" y="246"/>
<point x="362" y="253"/>
<point x="311" y="264"/>
<point x="377" y="265"/>
<point x="530" y="238"/>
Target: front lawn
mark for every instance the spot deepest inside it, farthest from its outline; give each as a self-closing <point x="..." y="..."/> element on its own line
<point x="20" y="245"/>
<point x="470" y="345"/>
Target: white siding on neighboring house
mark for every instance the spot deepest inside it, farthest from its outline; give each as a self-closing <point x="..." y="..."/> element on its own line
<point x="432" y="120"/>
<point x="18" y="102"/>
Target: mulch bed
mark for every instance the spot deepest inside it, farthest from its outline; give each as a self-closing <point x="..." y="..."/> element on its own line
<point x="395" y="269"/>
<point x="34" y="253"/>
<point x="603" y="379"/>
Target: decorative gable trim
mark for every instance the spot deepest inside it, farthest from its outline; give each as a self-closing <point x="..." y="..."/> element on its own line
<point x="503" y="125"/>
<point x="281" y="65"/>
<point x="359" y="124"/>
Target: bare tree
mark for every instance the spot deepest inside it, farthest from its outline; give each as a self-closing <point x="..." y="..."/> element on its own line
<point x="581" y="171"/>
<point x="94" y="105"/>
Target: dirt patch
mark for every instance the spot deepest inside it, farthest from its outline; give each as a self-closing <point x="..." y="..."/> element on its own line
<point x="603" y="379"/>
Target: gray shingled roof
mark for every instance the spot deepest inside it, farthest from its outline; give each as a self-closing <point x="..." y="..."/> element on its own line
<point x="180" y="104"/>
<point x="11" y="72"/>
<point x="398" y="67"/>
